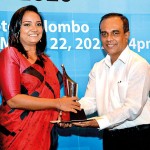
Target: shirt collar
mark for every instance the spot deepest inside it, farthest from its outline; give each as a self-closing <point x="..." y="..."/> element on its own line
<point x="123" y="57"/>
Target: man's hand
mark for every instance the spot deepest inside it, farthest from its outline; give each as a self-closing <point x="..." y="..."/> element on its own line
<point x="89" y="123"/>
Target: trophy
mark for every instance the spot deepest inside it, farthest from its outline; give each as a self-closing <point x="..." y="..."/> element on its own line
<point x="70" y="90"/>
<point x="70" y="87"/>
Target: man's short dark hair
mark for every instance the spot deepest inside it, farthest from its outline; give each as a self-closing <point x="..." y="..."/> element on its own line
<point x="121" y="16"/>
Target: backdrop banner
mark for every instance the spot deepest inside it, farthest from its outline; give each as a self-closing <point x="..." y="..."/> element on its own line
<point x="72" y="28"/>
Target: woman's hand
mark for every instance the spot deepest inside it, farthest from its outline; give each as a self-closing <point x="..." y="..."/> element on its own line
<point x="68" y="104"/>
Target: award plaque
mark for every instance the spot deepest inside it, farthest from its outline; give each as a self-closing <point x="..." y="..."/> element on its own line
<point x="70" y="90"/>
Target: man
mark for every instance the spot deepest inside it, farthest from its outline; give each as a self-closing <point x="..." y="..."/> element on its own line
<point x="118" y="90"/>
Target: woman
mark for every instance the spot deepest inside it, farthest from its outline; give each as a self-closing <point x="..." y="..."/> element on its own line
<point x="30" y="85"/>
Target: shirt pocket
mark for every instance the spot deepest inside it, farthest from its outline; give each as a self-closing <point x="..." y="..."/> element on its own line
<point x="122" y="90"/>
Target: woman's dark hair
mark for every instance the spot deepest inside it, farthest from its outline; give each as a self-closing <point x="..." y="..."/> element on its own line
<point x="121" y="16"/>
<point x="14" y="31"/>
